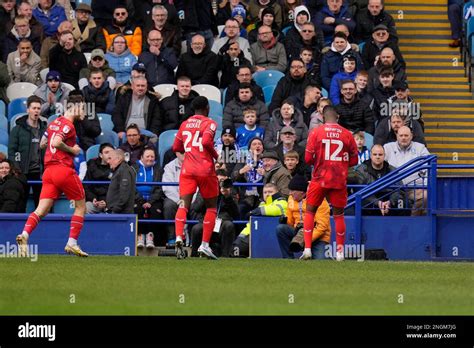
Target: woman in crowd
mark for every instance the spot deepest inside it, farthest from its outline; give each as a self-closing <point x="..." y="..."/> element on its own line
<point x="13" y="184"/>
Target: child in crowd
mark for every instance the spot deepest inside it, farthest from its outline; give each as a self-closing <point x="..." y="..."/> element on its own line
<point x="347" y="72"/>
<point x="291" y="161"/>
<point x="250" y="129"/>
<point x="313" y="69"/>
<point x="364" y="153"/>
<point x="317" y="117"/>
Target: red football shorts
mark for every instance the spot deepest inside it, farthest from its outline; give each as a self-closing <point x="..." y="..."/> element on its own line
<point x="208" y="185"/>
<point x="316" y="194"/>
<point x="59" y="179"/>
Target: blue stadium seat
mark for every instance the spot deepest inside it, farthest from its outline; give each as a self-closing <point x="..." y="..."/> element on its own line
<point x="218" y="119"/>
<point x="285" y="30"/>
<point x="88" y="2"/>
<point x="105" y="121"/>
<point x="267" y="77"/>
<point x="30" y="205"/>
<point x="268" y="93"/>
<point x="165" y="141"/>
<point x="63" y="206"/>
<point x="14" y="119"/>
<point x="16" y="106"/>
<point x="3" y="108"/>
<point x="108" y="137"/>
<point x="324" y="93"/>
<point x="215" y="108"/>
<point x="92" y="152"/>
<point x="3" y="122"/>
<point x="147" y="133"/>
<point x="361" y="47"/>
<point x="4" y="149"/>
<point x="4" y="137"/>
<point x="369" y="140"/>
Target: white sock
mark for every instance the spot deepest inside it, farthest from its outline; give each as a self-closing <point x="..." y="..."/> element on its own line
<point x="179" y="238"/>
<point x="72" y="241"/>
<point x="307" y="250"/>
<point x="205" y="244"/>
<point x="25" y="235"/>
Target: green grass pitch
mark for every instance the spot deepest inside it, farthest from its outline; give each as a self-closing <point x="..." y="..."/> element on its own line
<point x="107" y="285"/>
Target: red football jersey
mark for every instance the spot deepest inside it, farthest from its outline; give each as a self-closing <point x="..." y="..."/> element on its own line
<point x="332" y="150"/>
<point x="196" y="139"/>
<point x="65" y="129"/>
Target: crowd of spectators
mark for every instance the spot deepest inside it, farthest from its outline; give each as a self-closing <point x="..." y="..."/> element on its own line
<point x="115" y="52"/>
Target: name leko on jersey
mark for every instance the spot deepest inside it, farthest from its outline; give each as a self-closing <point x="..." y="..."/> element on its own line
<point x="193" y="123"/>
<point x="332" y="132"/>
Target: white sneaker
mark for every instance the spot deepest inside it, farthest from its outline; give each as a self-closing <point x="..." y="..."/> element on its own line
<point x="207" y="251"/>
<point x="306" y="255"/>
<point x="149" y="241"/>
<point x="340" y="256"/>
<point x="178" y="247"/>
<point x="140" y="241"/>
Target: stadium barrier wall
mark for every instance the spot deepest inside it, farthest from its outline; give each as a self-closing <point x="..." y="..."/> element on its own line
<point x="402" y="238"/>
<point x="102" y="234"/>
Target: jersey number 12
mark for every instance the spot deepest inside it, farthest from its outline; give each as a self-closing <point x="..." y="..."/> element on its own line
<point x="328" y="156"/>
<point x="196" y="141"/>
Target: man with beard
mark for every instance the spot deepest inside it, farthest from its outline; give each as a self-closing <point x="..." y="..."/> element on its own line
<point x="65" y="59"/>
<point x="243" y="75"/>
<point x="53" y="94"/>
<point x="199" y="64"/>
<point x="85" y="30"/>
<point x="386" y="59"/>
<point x="122" y="25"/>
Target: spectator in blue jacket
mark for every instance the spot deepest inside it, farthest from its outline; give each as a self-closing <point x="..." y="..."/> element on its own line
<point x="120" y="59"/>
<point x="159" y="61"/>
<point x="332" y="14"/>
<point x="50" y="15"/>
<point x="348" y="72"/>
<point x="332" y="59"/>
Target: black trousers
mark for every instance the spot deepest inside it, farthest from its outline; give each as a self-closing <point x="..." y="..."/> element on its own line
<point x="221" y="243"/>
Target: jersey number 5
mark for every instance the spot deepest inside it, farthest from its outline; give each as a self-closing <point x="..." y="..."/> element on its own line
<point x="328" y="156"/>
<point x="196" y="141"/>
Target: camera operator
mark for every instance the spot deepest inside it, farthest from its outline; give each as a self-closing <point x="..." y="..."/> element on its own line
<point x="227" y="211"/>
<point x="290" y="233"/>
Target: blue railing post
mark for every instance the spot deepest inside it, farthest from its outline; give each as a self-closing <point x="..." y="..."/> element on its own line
<point x="358" y="219"/>
<point x="433" y="205"/>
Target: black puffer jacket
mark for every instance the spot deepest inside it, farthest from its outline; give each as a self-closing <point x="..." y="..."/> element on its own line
<point x="287" y="87"/>
<point x="233" y="113"/>
<point x="13" y="194"/>
<point x="96" y="171"/>
<point x="87" y="130"/>
<point x="175" y="110"/>
<point x="356" y="116"/>
<point x="200" y="68"/>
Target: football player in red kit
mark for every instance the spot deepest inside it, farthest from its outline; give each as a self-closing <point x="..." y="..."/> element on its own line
<point x="332" y="150"/>
<point x="59" y="175"/>
<point x="195" y="138"/>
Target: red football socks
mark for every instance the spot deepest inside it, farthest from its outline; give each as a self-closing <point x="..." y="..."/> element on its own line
<point x="180" y="221"/>
<point x="76" y="226"/>
<point x="31" y="223"/>
<point x="209" y="224"/>
<point x="340" y="231"/>
<point x="308" y="225"/>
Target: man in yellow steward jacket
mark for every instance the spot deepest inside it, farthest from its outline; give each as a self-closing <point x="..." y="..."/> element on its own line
<point x="290" y="230"/>
<point x="274" y="205"/>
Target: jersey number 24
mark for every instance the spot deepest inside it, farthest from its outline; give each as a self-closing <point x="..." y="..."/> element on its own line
<point x="196" y="141"/>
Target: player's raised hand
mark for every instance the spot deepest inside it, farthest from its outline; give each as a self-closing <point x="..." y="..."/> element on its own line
<point x="76" y="150"/>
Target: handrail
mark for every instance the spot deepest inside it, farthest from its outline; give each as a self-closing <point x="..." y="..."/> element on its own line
<point x="393" y="177"/>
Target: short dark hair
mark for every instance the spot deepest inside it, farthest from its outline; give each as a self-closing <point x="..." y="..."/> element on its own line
<point x="97" y="71"/>
<point x="221" y="172"/>
<point x="245" y="85"/>
<point x="104" y="145"/>
<point x="133" y="126"/>
<point x="146" y="148"/>
<point x="33" y="99"/>
<point x="75" y="97"/>
<point x="329" y="112"/>
<point x="341" y="35"/>
<point x="200" y="103"/>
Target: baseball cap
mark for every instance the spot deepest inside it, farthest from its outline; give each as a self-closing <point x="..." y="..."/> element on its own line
<point x="139" y="67"/>
<point x="288" y="129"/>
<point x="97" y="53"/>
<point x="379" y="27"/>
<point x="239" y="10"/>
<point x="84" y="7"/>
<point x="53" y="75"/>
